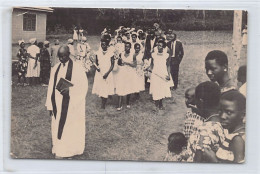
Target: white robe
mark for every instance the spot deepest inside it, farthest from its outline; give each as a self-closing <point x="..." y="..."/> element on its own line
<point x="72" y="141"/>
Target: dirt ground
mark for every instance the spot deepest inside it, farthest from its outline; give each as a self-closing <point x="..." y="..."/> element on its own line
<point x="139" y="133"/>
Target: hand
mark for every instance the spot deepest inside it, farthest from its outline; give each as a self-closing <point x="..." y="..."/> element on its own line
<point x="209" y="155"/>
<point x="50" y="112"/>
<point x="65" y="91"/>
<point x="98" y="69"/>
<point x="35" y="65"/>
<point x="167" y="78"/>
<point x="105" y="76"/>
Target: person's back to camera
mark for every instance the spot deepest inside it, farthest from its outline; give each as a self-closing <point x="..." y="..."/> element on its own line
<point x="210" y="134"/>
<point x="177" y="144"/>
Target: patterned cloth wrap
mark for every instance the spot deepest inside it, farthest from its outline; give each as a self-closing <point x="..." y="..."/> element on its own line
<point x="181" y="157"/>
<point x="191" y="123"/>
<point x="209" y="135"/>
<point x="223" y="152"/>
<point x="22" y="63"/>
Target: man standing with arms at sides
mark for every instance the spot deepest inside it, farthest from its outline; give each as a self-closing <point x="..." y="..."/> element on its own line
<point x="67" y="106"/>
<point x="176" y="53"/>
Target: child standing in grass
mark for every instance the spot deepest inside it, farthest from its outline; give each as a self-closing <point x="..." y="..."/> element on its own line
<point x="22" y="63"/>
<point x="103" y="82"/>
<point x="192" y="119"/>
<point x="232" y="112"/>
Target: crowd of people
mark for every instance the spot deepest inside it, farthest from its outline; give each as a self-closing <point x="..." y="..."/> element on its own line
<point x="131" y="60"/>
<point x="214" y="128"/>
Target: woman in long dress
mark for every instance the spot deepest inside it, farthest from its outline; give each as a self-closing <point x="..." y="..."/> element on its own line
<point x="126" y="76"/>
<point x="75" y="34"/>
<point x="33" y="69"/>
<point x="139" y="83"/>
<point x="103" y="82"/>
<point x="160" y="77"/>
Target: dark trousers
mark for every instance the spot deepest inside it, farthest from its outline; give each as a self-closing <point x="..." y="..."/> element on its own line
<point x="175" y="74"/>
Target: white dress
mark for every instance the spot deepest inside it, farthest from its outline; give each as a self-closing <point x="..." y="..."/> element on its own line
<point x="103" y="87"/>
<point x="72" y="141"/>
<point x="159" y="86"/>
<point x="75" y="35"/>
<point x="125" y="83"/>
<point x="139" y="72"/>
<point x="119" y="48"/>
<point x="33" y="50"/>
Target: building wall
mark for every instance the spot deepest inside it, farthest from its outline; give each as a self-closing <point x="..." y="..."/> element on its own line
<point x="17" y="26"/>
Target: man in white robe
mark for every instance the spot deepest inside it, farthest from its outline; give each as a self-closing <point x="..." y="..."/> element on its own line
<point x="67" y="108"/>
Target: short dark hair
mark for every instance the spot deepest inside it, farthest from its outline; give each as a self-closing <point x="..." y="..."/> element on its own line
<point x="104" y="40"/>
<point x="162" y="41"/>
<point x="119" y="37"/>
<point x="235" y="96"/>
<point x="176" y="142"/>
<point x="135" y="45"/>
<point x="220" y="57"/>
<point x="133" y="35"/>
<point x="128" y="43"/>
<point x="209" y="92"/>
<point x="40" y="44"/>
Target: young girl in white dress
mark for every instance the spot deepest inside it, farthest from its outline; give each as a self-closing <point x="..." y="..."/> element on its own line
<point x="160" y="78"/>
<point x="103" y="82"/>
<point x="126" y="76"/>
<point x="139" y="83"/>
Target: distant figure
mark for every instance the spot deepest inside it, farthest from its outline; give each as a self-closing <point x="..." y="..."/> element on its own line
<point x="75" y="34"/>
<point x="72" y="49"/>
<point x="54" y="52"/>
<point x="33" y="70"/>
<point x="244" y="36"/>
<point x="67" y="106"/>
<point x="81" y="34"/>
<point x="45" y="64"/>
<point x="176" y="54"/>
<point x="216" y="65"/>
<point x="22" y="63"/>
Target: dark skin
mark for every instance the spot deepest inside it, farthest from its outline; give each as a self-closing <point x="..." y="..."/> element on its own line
<point x="104" y="48"/>
<point x="127" y="51"/>
<point x="232" y="120"/>
<point x="216" y="72"/>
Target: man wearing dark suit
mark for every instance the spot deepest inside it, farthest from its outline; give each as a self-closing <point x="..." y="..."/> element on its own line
<point x="176" y="53"/>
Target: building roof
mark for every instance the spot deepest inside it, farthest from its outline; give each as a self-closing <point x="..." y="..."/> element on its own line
<point x="44" y="9"/>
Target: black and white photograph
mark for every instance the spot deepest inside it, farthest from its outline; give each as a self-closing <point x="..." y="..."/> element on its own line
<point x="127" y="84"/>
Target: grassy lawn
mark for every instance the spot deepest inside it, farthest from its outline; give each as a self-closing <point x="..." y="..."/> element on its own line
<point x="139" y="133"/>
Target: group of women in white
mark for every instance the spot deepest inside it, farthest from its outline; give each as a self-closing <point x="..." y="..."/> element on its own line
<point x="121" y="67"/>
